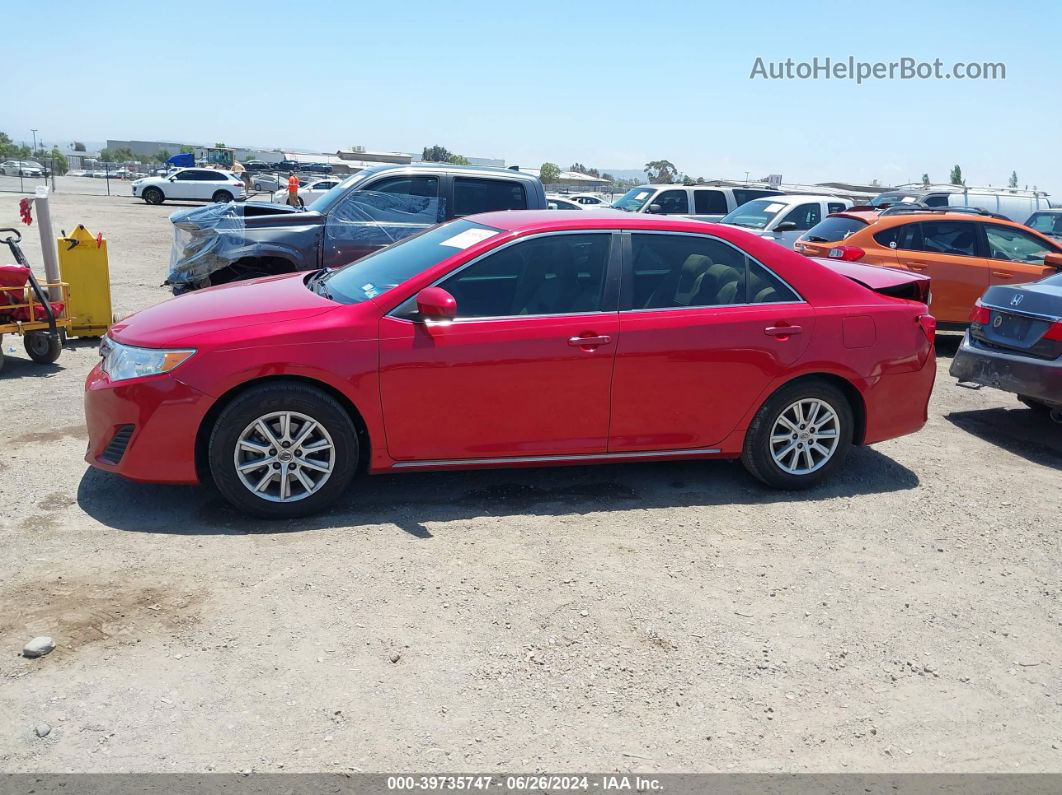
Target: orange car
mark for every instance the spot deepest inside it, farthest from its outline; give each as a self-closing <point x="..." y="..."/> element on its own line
<point x="963" y="253"/>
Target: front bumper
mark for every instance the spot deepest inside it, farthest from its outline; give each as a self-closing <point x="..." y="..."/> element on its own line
<point x="144" y="429"/>
<point x="1009" y="371"/>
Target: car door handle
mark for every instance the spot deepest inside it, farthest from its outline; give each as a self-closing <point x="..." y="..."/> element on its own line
<point x="589" y="342"/>
<point x="1003" y="274"/>
<point x="782" y="331"/>
<point x="915" y="266"/>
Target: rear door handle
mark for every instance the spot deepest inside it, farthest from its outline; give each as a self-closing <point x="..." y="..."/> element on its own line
<point x="782" y="331"/>
<point x="1003" y="274"/>
<point x="589" y="342"/>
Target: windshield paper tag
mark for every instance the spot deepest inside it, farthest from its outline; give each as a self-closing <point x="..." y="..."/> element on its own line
<point x="468" y="238"/>
<point x="642" y="195"/>
<point x="908" y="200"/>
<point x="773" y="208"/>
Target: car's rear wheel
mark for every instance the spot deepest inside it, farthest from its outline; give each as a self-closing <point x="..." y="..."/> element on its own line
<point x="221" y="196"/>
<point x="283" y="450"/>
<point x="42" y="346"/>
<point x="152" y="196"/>
<point x="799" y="436"/>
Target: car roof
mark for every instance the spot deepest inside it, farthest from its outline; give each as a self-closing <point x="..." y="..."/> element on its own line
<point x="449" y="168"/>
<point x="797" y="198"/>
<point x="547" y="220"/>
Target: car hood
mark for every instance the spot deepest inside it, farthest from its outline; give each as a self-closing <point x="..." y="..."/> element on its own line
<point x="185" y="321"/>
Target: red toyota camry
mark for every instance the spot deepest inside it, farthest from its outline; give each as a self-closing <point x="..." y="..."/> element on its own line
<point x="515" y="339"/>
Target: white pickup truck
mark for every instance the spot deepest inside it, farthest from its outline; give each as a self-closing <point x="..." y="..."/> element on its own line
<point x="703" y="202"/>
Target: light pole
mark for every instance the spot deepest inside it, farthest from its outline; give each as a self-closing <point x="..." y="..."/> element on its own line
<point x="34" y="141"/>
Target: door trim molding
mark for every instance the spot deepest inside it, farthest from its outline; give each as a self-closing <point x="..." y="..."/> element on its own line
<point x="534" y="459"/>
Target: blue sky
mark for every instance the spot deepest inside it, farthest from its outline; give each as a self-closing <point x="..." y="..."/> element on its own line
<point x="609" y="84"/>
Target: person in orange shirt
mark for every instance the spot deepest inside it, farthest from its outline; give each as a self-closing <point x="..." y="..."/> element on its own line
<point x="293" y="189"/>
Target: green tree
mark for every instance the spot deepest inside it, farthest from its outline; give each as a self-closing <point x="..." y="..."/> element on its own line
<point x="117" y="155"/>
<point x="436" y="154"/>
<point x="956" y="176"/>
<point x="187" y="150"/>
<point x="162" y="156"/>
<point x="579" y="168"/>
<point x="77" y="146"/>
<point x="58" y="161"/>
<point x="925" y="180"/>
<point x="6" y="145"/>
<point x="458" y="160"/>
<point x="549" y="173"/>
<point x="1013" y="182"/>
<point x="220" y="145"/>
<point x="660" y="172"/>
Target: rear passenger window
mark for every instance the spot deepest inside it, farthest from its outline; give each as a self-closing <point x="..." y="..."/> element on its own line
<point x="712" y="202"/>
<point x="907" y="237"/>
<point x="675" y="271"/>
<point x="938" y="200"/>
<point x="673" y="202"/>
<point x="949" y="237"/>
<point x="487" y="195"/>
<point x="766" y="288"/>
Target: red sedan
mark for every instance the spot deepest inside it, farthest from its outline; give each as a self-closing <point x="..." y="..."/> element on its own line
<point x="515" y="339"/>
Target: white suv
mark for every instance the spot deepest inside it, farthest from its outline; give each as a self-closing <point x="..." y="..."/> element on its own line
<point x="197" y="184"/>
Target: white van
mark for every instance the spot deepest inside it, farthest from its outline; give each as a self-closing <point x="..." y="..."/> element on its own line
<point x="1015" y="204"/>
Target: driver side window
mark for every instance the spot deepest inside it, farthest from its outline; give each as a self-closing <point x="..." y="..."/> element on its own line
<point x="551" y="275"/>
<point x="673" y="202"/>
<point x="805" y="216"/>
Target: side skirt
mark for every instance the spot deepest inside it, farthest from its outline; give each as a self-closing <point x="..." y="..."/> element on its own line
<point x="553" y="459"/>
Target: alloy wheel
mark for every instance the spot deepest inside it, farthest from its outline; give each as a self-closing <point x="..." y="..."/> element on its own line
<point x="805" y="436"/>
<point x="284" y="456"/>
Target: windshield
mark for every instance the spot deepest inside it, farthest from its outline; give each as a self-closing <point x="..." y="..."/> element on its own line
<point x="634" y="199"/>
<point x="755" y="214"/>
<point x="893" y="197"/>
<point x="1048" y="223"/>
<point x="833" y="228"/>
<point x="398" y="263"/>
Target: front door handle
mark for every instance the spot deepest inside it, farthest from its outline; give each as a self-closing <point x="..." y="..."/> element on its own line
<point x="1003" y="274"/>
<point x="782" y="331"/>
<point x="589" y="342"/>
<point x="915" y="266"/>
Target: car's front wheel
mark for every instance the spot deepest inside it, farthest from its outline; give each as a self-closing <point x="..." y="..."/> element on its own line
<point x="152" y="196"/>
<point x="283" y="450"/>
<point x="799" y="436"/>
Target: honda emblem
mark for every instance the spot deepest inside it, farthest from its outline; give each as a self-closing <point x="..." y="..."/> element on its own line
<point x="1016" y="299"/>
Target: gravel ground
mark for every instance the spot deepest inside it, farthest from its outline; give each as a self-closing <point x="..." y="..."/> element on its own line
<point x="664" y="617"/>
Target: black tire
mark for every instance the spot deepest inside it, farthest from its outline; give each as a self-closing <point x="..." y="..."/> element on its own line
<point x="153" y="196"/>
<point x="42" y="346"/>
<point x="261" y="401"/>
<point x="757" y="454"/>
<point x="1" y="352"/>
<point x="1036" y="405"/>
<point x="221" y="196"/>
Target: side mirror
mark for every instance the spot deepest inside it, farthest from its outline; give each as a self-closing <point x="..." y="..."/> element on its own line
<point x="785" y="226"/>
<point x="1053" y="261"/>
<point x="435" y="305"/>
<point x="655" y="208"/>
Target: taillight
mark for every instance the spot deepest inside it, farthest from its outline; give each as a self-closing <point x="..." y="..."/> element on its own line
<point x="1054" y="332"/>
<point x="980" y="315"/>
<point x="929" y="326"/>
<point x="847" y="253"/>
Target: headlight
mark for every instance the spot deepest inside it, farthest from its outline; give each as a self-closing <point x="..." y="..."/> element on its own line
<point x="122" y="362"/>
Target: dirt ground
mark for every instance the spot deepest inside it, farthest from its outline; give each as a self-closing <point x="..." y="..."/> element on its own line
<point x="649" y="617"/>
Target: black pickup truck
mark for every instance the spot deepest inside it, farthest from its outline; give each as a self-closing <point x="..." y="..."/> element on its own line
<point x="367" y="211"/>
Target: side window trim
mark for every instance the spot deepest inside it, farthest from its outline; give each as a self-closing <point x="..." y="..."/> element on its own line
<point x="627" y="285"/>
<point x="610" y="288"/>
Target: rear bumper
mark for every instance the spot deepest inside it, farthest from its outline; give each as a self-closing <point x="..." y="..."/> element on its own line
<point x="898" y="404"/>
<point x="143" y="429"/>
<point x="1009" y="371"/>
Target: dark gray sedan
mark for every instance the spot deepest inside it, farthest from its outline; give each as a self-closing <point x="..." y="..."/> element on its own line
<point x="1014" y="343"/>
